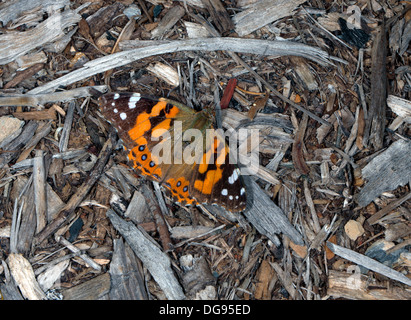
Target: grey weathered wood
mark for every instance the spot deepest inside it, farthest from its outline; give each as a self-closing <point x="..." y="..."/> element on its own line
<point x="10" y="10"/>
<point x="40" y="99"/>
<point x="127" y="276"/>
<point x="368" y="263"/>
<point x="387" y="171"/>
<point x="266" y="217"/>
<point x="253" y="46"/>
<point x="94" y="289"/>
<point x="262" y="13"/>
<point x="65" y="134"/>
<point x="16" y="44"/>
<point x="153" y="258"/>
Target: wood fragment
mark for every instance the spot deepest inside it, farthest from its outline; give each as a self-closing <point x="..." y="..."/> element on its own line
<point x="297" y="151"/>
<point x="386" y="172"/>
<point x="34" y="100"/>
<point x="94" y="289"/>
<point x="368" y="263"/>
<point x="219" y="15"/>
<point x="66" y="213"/>
<point x="210" y="44"/>
<point x="127" y="275"/>
<point x="168" y="21"/>
<point x="360" y="287"/>
<point x="22" y="272"/>
<point x="40" y="194"/>
<point x="262" y="13"/>
<point x="376" y="115"/>
<point x="152" y="257"/>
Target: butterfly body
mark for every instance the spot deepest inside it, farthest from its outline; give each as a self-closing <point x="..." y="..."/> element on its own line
<point x="154" y="130"/>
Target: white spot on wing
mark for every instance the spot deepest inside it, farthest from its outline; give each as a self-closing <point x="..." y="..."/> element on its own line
<point x="242" y="191"/>
<point x="224" y="192"/>
<point x="123" y="116"/>
<point x="115" y="110"/>
<point x="116" y="96"/>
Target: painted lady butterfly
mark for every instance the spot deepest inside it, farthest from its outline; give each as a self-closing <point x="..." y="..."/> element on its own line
<point x="142" y="121"/>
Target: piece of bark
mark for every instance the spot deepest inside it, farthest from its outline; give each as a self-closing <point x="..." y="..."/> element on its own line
<point x="23" y="75"/>
<point x="127" y="275"/>
<point x="103" y="19"/>
<point x="153" y="258"/>
<point x="297" y="150"/>
<point x="360" y="287"/>
<point x="45" y="114"/>
<point x="262" y="13"/>
<point x="94" y="289"/>
<point x="168" y="21"/>
<point x="386" y="172"/>
<point x="376" y="115"/>
<point x="264" y="275"/>
<point x="219" y="15"/>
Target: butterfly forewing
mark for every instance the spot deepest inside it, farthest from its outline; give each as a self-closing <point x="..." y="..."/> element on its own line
<point x="146" y="125"/>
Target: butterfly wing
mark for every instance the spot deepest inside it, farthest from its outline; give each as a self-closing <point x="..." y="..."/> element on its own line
<point x="146" y="125"/>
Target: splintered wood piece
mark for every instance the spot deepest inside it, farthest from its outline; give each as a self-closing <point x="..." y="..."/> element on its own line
<point x="10" y="129"/>
<point x="386" y="172"/>
<point x="127" y="275"/>
<point x="262" y="13"/>
<point x="165" y="72"/>
<point x="103" y="19"/>
<point x="297" y="151"/>
<point x="33" y="100"/>
<point x="360" y="287"/>
<point x="304" y="74"/>
<point x="368" y="263"/>
<point x="401" y="107"/>
<point x="94" y="289"/>
<point x="376" y="115"/>
<point x="23" y="75"/>
<point x="266" y="217"/>
<point x="50" y="30"/>
<point x="45" y="114"/>
<point x="23" y="274"/>
<point x="40" y="194"/>
<point x="153" y="258"/>
<point x="219" y="15"/>
<point x="168" y="21"/>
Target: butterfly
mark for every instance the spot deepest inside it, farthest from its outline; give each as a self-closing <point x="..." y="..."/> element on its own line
<point x="153" y="130"/>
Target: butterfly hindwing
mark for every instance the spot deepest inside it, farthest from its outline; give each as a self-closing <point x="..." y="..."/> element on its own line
<point x="146" y="124"/>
